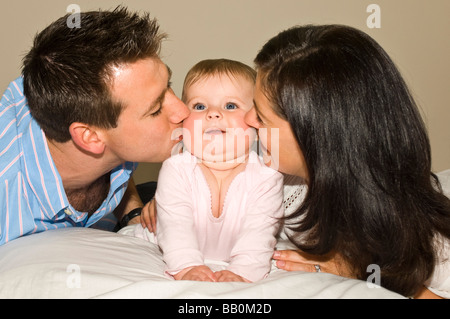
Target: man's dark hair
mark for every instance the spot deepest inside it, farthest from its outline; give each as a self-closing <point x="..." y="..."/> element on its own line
<point x="67" y="71"/>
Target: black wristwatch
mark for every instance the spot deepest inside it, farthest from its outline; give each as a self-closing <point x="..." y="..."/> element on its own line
<point x="134" y="213"/>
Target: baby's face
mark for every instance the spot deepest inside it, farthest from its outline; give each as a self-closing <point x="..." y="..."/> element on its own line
<point x="215" y="130"/>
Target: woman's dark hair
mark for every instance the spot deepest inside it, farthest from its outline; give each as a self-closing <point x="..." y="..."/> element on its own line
<point x="371" y="194"/>
<point x="67" y="73"/>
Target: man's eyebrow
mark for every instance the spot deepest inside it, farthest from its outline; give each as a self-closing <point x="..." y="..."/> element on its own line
<point x="160" y="98"/>
<point x="169" y="70"/>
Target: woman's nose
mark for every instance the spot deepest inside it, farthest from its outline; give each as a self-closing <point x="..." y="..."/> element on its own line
<point x="251" y="119"/>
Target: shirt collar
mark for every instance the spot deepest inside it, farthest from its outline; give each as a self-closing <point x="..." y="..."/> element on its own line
<point x="41" y="172"/>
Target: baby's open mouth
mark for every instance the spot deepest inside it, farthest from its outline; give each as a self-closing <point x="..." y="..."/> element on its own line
<point x="214" y="131"/>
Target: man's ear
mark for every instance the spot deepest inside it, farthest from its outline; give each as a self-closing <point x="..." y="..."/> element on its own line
<point x="87" y="138"/>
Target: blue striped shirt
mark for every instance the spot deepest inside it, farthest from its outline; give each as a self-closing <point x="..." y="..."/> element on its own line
<point x="32" y="197"/>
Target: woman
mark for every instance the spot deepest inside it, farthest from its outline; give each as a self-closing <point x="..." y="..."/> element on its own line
<point x="349" y="127"/>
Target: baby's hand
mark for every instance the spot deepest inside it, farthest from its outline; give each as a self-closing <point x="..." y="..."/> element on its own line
<point x="198" y="273"/>
<point x="226" y="275"/>
<point x="148" y="216"/>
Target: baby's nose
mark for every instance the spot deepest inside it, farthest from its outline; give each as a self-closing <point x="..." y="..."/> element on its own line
<point x="213" y="114"/>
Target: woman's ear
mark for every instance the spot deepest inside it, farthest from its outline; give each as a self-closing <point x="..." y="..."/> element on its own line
<point x="87" y="138"/>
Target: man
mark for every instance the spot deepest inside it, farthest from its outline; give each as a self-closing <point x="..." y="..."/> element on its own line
<point x="91" y="102"/>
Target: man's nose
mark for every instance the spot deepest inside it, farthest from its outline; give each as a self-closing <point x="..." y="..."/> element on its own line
<point x="180" y="110"/>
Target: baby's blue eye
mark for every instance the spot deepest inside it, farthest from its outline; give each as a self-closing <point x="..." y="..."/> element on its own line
<point x="231" y="106"/>
<point x="199" y="107"/>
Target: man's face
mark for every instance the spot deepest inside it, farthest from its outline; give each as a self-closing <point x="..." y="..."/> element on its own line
<point x="151" y="114"/>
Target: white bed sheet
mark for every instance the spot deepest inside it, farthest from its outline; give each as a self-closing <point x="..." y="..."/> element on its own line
<point x="88" y="263"/>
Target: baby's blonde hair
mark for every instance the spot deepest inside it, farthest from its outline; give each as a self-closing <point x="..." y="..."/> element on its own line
<point x="207" y="68"/>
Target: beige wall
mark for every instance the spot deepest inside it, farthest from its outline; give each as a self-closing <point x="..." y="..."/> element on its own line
<point x="415" y="33"/>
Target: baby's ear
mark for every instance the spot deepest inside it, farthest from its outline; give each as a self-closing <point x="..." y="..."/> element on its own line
<point x="87" y="137"/>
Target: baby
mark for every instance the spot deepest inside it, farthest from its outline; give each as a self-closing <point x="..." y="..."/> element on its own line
<point x="217" y="200"/>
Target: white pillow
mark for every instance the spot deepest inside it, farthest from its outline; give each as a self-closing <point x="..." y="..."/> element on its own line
<point x="89" y="263"/>
<point x="74" y="262"/>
